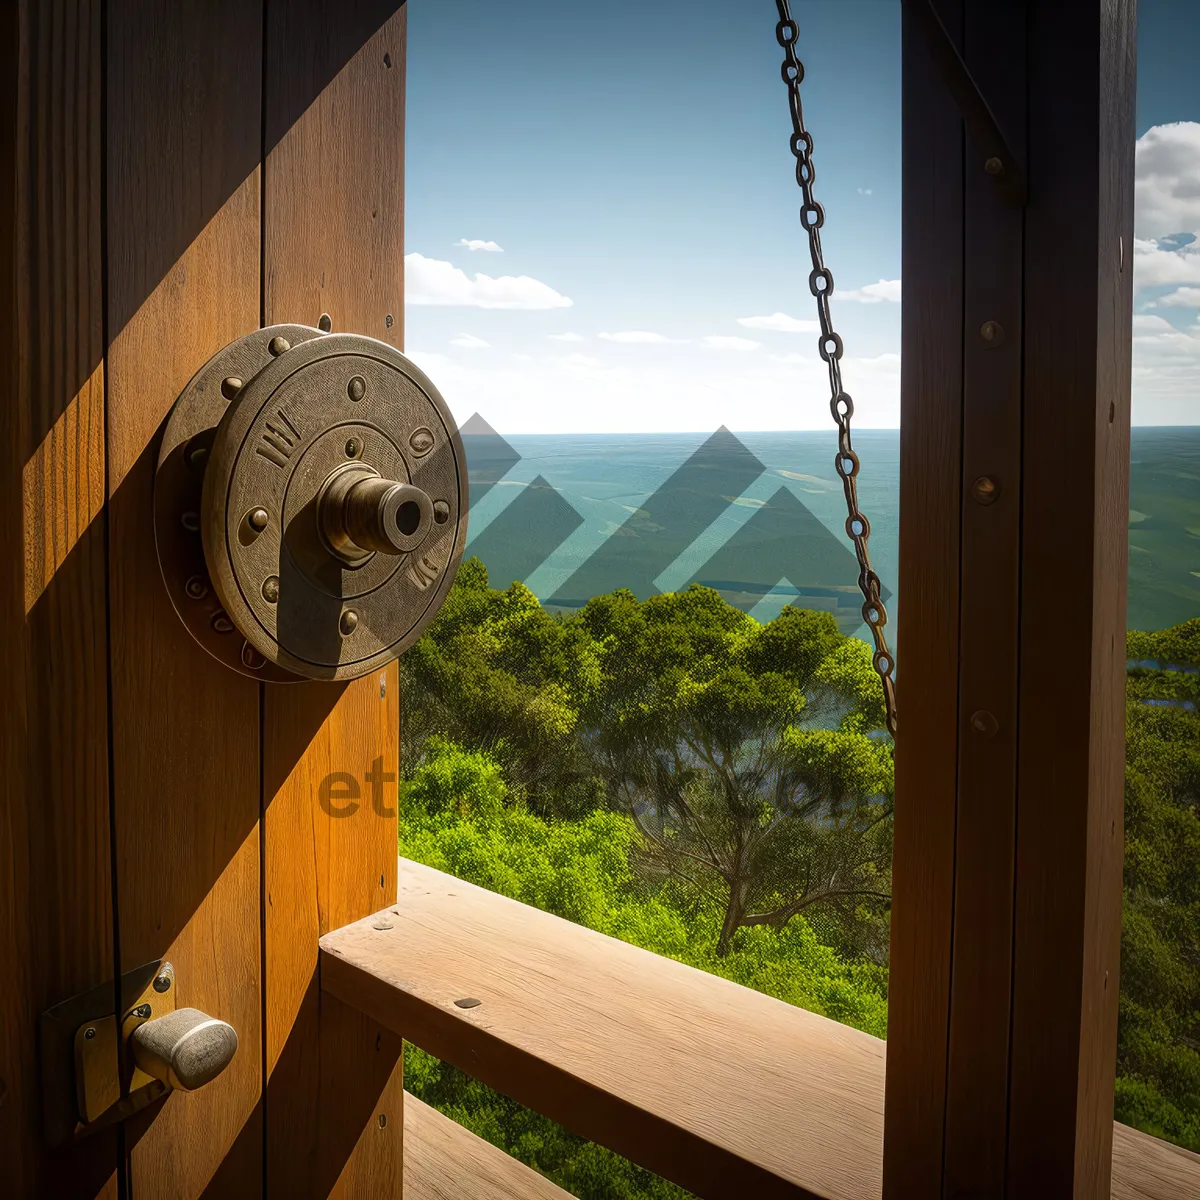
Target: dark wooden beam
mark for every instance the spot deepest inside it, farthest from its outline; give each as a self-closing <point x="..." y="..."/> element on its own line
<point x="1016" y="343"/>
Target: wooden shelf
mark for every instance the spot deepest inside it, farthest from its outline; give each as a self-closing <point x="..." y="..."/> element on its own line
<point x="723" y="1090"/>
<point x="444" y="1161"/>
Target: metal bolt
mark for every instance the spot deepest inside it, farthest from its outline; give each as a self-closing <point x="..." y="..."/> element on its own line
<point x="89" y="1034"/>
<point x="353" y="448"/>
<point x="441" y="511"/>
<point x="388" y="320"/>
<point x="356" y="389"/>
<point x="325" y="324"/>
<point x="143" y="1011"/>
<point x="258" y="519"/>
<point x="162" y="981"/>
<point x="196" y="587"/>
<point x="986" y="490"/>
<point x="983" y="722"/>
<point x="190" y="521"/>
<point x="251" y="659"/>
<point x="383" y="1120"/>
<point x="277" y="345"/>
<point x="221" y="622"/>
<point x="383" y="924"/>
<point x="468" y="1002"/>
<point x="994" y="166"/>
<point x="992" y="332"/>
<point x="230" y="386"/>
<point x="270" y="589"/>
<point x="349" y="622"/>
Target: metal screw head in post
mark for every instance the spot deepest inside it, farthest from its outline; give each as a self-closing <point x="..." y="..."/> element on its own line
<point x="994" y="166"/>
<point x="349" y="622"/>
<point x="992" y="332"/>
<point x="985" y="490"/>
<point x="278" y="345"/>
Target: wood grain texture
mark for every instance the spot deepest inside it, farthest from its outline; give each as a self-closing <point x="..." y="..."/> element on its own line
<point x="184" y="130"/>
<point x="444" y="1161"/>
<point x="617" y="1044"/>
<point x="1075" y="533"/>
<point x="1144" y="1168"/>
<point x="54" y="820"/>
<point x="985" y="817"/>
<point x="928" y="638"/>
<point x="333" y="242"/>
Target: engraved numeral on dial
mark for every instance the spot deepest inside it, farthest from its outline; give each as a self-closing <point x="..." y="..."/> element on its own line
<point x="279" y="439"/>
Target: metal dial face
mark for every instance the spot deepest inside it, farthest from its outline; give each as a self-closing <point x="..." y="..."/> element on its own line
<point x="330" y="420"/>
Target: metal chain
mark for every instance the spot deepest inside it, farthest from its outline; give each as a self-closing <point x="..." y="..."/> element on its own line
<point x="820" y="283"/>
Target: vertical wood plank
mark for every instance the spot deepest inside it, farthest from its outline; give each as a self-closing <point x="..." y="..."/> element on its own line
<point x="1074" y="544"/>
<point x="184" y="133"/>
<point x="985" y="821"/>
<point x="54" y="820"/>
<point x="1001" y="1051"/>
<point x="333" y="243"/>
<point x="928" y="636"/>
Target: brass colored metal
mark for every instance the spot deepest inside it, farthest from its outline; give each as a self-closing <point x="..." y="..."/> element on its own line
<point x="985" y="490"/>
<point x="84" y="1059"/>
<point x="331" y="481"/>
<point x="992" y="332"/>
<point x="994" y="166"/>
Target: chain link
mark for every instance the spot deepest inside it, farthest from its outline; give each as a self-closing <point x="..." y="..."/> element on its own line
<point x="820" y="283"/>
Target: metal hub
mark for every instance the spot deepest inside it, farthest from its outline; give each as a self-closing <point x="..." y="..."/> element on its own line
<point x="311" y="496"/>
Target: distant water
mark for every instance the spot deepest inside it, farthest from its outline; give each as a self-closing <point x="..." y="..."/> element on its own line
<point x="762" y="518"/>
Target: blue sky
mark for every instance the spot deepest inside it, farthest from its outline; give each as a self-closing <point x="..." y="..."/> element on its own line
<point x="623" y="173"/>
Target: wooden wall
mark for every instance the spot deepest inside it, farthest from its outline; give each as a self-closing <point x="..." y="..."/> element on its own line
<point x="180" y="175"/>
<point x="1010" y="756"/>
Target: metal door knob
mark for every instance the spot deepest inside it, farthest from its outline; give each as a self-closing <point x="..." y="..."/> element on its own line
<point x="185" y="1049"/>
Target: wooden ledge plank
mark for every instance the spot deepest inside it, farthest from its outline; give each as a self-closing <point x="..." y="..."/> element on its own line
<point x="724" y="1090"/>
<point x="1145" y="1168"/>
<point x="444" y="1161"/>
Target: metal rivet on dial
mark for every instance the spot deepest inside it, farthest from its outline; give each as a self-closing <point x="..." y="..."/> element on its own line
<point x="270" y="589"/>
<point x="278" y="345"/>
<point x="356" y="389"/>
<point x="196" y="588"/>
<point x="349" y="622"/>
<point x="258" y="519"/>
<point x="230" y="386"/>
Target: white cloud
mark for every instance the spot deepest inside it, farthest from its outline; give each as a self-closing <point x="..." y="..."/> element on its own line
<point x="471" y="342"/>
<point x="719" y="342"/>
<point x="430" y="281"/>
<point x="1167" y="180"/>
<point x="1165" y="263"/>
<point x="1185" y="297"/>
<point x="741" y="391"/>
<point x="874" y="293"/>
<point x="565" y="337"/>
<point x="477" y="244"/>
<point x="1166" y="371"/>
<point x="641" y="337"/>
<point x="781" y="323"/>
<point x="863" y="191"/>
<point x="1145" y="323"/>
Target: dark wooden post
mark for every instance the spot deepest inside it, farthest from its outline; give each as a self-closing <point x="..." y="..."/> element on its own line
<point x="1014" y="499"/>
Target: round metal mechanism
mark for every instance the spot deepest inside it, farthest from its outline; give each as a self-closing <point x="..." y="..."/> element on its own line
<point x="310" y="504"/>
